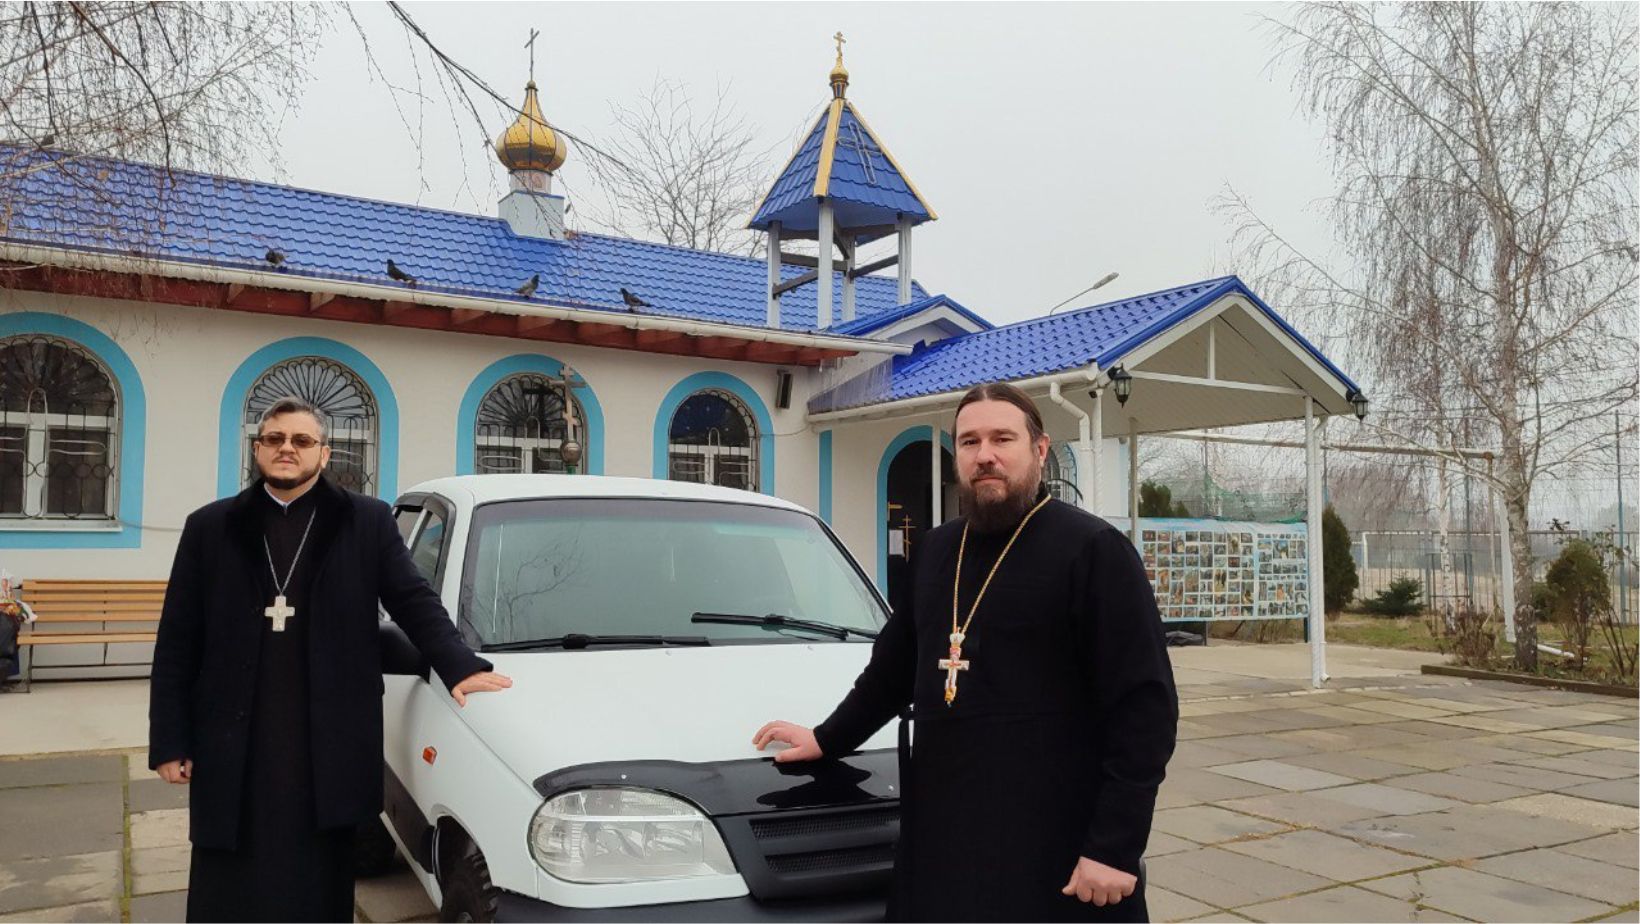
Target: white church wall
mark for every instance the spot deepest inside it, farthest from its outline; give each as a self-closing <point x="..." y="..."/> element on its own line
<point x="186" y="357"/>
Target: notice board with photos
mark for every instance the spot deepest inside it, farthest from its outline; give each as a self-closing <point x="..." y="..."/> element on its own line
<point x="1211" y="569"/>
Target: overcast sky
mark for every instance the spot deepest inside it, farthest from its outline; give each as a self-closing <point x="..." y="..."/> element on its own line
<point x="1058" y="142"/>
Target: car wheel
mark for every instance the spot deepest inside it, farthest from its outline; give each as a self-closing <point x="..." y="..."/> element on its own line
<point x="468" y="893"/>
<point x="373" y="850"/>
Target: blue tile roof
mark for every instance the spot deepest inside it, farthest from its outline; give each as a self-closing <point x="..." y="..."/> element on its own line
<point x="133" y="209"/>
<point x="862" y="327"/>
<point x="1041" y="346"/>
<point x="864" y="185"/>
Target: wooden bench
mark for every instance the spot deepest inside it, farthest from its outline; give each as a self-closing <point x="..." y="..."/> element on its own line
<point x="61" y="608"/>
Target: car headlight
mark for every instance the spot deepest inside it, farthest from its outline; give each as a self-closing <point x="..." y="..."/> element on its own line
<point x="625" y="835"/>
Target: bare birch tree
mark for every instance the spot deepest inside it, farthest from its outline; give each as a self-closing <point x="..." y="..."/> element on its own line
<point x="1486" y="161"/>
<point x="198" y="86"/>
<point x="180" y="85"/>
<point x="682" y="174"/>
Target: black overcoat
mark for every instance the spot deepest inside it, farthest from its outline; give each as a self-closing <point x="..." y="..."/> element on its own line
<point x="210" y="630"/>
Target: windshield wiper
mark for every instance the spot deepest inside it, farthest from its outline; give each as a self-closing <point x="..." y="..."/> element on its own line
<point x="777" y="621"/>
<point x="575" y="641"/>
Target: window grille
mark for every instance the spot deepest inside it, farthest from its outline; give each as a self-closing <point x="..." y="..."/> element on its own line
<point x="349" y="408"/>
<point x="59" y="432"/>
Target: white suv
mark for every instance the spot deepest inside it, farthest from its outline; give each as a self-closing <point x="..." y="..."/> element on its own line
<point x="650" y="627"/>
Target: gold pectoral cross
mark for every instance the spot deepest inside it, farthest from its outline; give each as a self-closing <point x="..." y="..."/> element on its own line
<point x="951" y="665"/>
<point x="279" y="612"/>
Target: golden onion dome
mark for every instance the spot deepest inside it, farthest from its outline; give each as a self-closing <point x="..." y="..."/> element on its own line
<point x="530" y="143"/>
<point x="839" y="73"/>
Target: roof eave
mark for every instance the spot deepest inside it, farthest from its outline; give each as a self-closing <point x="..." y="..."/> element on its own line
<point x="918" y="404"/>
<point x="74" y="258"/>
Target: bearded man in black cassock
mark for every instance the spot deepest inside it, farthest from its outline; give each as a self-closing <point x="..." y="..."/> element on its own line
<point x="266" y="689"/>
<point x="1043" y="699"/>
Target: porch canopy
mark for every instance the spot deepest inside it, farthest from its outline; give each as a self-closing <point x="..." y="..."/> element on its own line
<point x="1208" y="355"/>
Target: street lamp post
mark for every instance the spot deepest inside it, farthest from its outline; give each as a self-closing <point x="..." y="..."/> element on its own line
<point x="1107" y="278"/>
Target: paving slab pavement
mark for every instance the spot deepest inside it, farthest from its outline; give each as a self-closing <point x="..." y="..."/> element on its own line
<point x="1226" y="879"/>
<point x="44" y="882"/>
<point x="1323" y="854"/>
<point x="1364" y="801"/>
<point x="1280" y="775"/>
<point x="1484" y="897"/>
<point x="1344" y="903"/>
<point x="1603" y="882"/>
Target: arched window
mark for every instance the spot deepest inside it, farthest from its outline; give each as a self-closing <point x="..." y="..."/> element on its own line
<point x="349" y="408"/>
<point x="521" y="426"/>
<point x="1059" y="473"/>
<point x="59" y="431"/>
<point x="713" y="440"/>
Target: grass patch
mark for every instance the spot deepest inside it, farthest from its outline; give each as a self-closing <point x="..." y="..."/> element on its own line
<point x="1410" y="633"/>
<point x="1413" y="633"/>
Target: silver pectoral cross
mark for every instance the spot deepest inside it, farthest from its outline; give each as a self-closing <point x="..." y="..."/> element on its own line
<point x="279" y="612"/>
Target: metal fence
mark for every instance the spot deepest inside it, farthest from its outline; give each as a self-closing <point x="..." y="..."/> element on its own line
<point x="1381" y="557"/>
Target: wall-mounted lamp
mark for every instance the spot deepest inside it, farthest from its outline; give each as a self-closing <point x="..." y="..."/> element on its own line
<point x="1122" y="380"/>
<point x="1359" y="402"/>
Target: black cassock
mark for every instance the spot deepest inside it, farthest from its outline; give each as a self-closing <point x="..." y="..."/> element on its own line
<point x="1060" y="733"/>
<point x="285" y="868"/>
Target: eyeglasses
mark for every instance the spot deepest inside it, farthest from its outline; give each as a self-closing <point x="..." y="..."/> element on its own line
<point x="276" y="440"/>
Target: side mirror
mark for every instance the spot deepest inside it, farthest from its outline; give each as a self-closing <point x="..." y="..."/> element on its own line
<point x="399" y="656"/>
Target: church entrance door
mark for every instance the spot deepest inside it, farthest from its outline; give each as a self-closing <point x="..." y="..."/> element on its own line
<point x="909" y="507"/>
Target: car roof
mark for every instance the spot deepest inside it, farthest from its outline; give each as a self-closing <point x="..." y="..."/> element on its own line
<point x="484" y="489"/>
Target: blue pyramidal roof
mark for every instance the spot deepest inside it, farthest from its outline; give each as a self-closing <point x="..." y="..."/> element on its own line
<point x="132" y="209"/>
<point x="841" y="160"/>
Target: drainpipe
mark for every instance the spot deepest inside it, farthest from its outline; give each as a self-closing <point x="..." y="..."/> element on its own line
<point x="1084" y="445"/>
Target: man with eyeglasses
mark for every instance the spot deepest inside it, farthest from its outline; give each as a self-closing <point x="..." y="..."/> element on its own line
<point x="266" y="686"/>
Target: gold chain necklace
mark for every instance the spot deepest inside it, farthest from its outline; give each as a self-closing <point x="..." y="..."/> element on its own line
<point x="954" y="663"/>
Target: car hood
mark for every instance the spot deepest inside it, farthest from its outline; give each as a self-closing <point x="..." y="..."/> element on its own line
<point x="693" y="705"/>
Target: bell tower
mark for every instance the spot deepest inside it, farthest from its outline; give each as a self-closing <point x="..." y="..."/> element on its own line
<point x="841" y="189"/>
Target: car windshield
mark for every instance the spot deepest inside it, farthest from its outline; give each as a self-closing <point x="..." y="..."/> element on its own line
<point x="544" y="569"/>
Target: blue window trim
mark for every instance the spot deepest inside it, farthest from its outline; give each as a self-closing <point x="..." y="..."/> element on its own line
<point x="493" y="374"/>
<point x="907" y="437"/>
<point x="230" y="419"/>
<point x="722" y="381"/>
<point x="825" y="476"/>
<point x="133" y="439"/>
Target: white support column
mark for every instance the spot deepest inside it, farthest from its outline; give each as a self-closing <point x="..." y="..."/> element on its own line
<point x="848" y="281"/>
<point x="1133" y="481"/>
<point x="904" y="293"/>
<point x="936" y="491"/>
<point x="773" y="319"/>
<point x="1096" y="439"/>
<point x="1506" y="565"/>
<point x="822" y="285"/>
<point x="1366" y="559"/>
<point x="1212" y="350"/>
<point x="1318" y="603"/>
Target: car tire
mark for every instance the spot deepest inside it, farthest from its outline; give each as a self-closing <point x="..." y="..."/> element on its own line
<point x="468" y="892"/>
<point x="374" y="852"/>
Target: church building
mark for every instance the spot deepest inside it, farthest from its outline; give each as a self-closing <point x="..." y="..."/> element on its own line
<point x="147" y="317"/>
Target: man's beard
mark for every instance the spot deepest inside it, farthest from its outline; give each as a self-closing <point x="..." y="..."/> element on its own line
<point x="996" y="515"/>
<point x="295" y="481"/>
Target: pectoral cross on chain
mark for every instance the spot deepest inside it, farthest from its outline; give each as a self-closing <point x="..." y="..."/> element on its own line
<point x="279" y="612"/>
<point x="951" y="665"/>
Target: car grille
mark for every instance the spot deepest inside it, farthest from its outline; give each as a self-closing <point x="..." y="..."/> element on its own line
<point x="815" y="851"/>
<point x="852" y="858"/>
